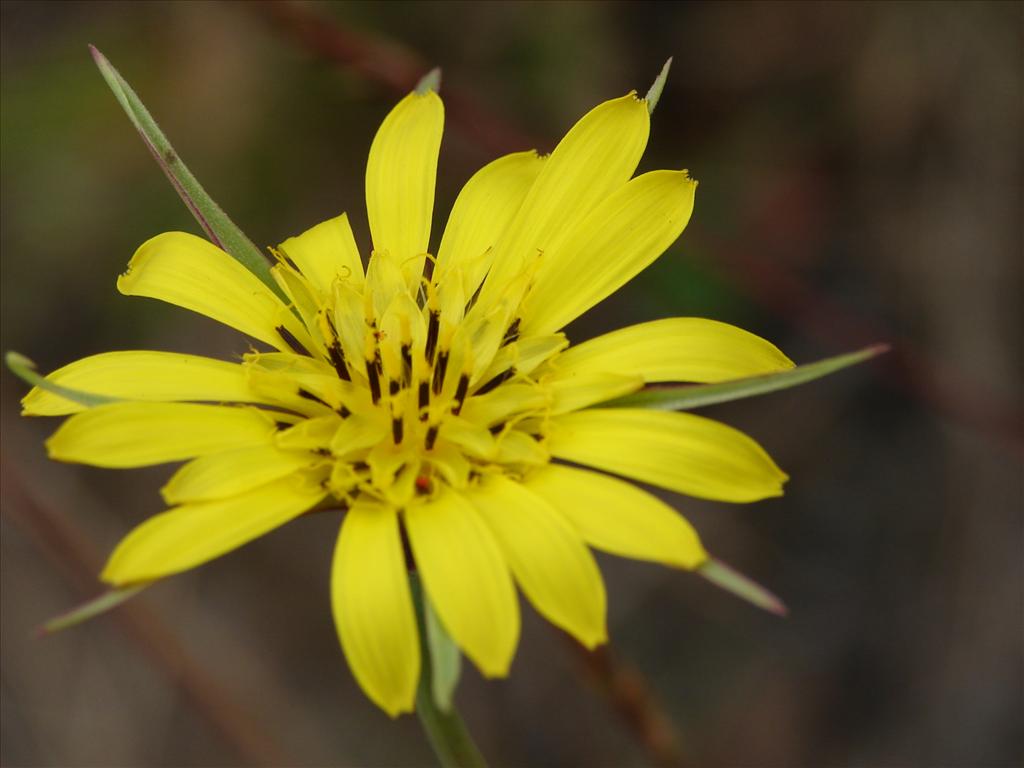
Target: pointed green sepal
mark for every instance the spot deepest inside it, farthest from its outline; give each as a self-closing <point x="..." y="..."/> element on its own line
<point x="25" y="370"/>
<point x="90" y="610"/>
<point x="681" y="397"/>
<point x="654" y="92"/>
<point x="219" y="228"/>
<point x="429" y="82"/>
<point x="445" y="659"/>
<point x="731" y="580"/>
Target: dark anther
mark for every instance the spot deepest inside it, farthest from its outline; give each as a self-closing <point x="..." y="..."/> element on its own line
<point x="460" y="393"/>
<point x="406" y="362"/>
<point x="338" y="360"/>
<point x="282" y="425"/>
<point x="475" y="296"/>
<point x="433" y="325"/>
<point x="291" y="341"/>
<point x="396" y="429"/>
<point x="424" y="399"/>
<point x="496" y="428"/>
<point x="501" y="378"/>
<point x="374" y="377"/>
<point x="322" y="451"/>
<point x="360" y="466"/>
<point x="344" y="412"/>
<point x="310" y="396"/>
<point x="512" y="333"/>
<point x="410" y="560"/>
<point x="431" y="437"/>
<point x="393" y="387"/>
<point x="439" y="371"/>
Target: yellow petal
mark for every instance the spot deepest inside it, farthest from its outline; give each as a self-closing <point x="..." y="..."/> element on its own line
<point x="618" y="517"/>
<point x="627" y="231"/>
<point x="192" y="534"/>
<point x="675" y="349"/>
<point x="516" y="447"/>
<point x="373" y="609"/>
<point x="597" y="156"/>
<point x="325" y="252"/>
<point x="400" y="176"/>
<point x="500" y="403"/>
<point x="573" y="391"/>
<point x="142" y="376"/>
<point x="482" y="212"/>
<point x="466" y="579"/>
<point x="548" y="559"/>
<point x="525" y="355"/>
<point x="138" y="434"/>
<point x="678" y="451"/>
<point x="190" y="272"/>
<point x="232" y="472"/>
<point x="309" y="434"/>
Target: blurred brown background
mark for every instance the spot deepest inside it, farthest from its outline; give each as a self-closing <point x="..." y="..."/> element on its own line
<point x="861" y="172"/>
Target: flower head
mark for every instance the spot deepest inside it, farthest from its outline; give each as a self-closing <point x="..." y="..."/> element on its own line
<point x="433" y="396"/>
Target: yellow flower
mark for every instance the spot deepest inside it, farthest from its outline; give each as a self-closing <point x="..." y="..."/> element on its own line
<point x="430" y="397"/>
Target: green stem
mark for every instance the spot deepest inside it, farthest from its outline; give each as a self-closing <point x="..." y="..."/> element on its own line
<point x="446" y="731"/>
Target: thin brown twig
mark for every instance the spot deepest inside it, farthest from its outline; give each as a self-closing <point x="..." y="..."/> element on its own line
<point x="74" y="557"/>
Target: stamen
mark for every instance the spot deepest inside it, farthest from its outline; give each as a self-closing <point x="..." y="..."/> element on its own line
<point x="460" y="393"/>
<point x="433" y="325"/>
<point x="498" y="380"/>
<point x="424" y="400"/>
<point x="289" y="339"/>
<point x="310" y="396"/>
<point x="334" y="351"/>
<point x="397" y="428"/>
<point x="431" y="436"/>
<point x="476" y="295"/>
<point x="410" y="559"/>
<point x="512" y="334"/>
<point x="439" y="371"/>
<point x="374" y="377"/>
<point x="338" y="360"/>
<point x="406" y="363"/>
<point x="393" y="387"/>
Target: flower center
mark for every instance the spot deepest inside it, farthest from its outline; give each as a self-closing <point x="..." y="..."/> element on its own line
<point x="404" y="382"/>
